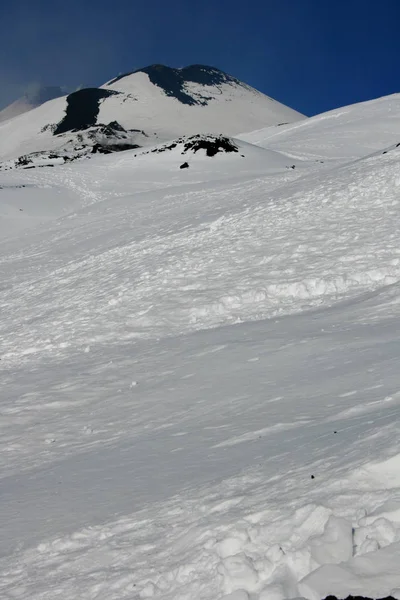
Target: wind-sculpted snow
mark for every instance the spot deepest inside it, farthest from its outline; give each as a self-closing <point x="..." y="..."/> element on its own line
<point x="200" y="374"/>
<point x="203" y="256"/>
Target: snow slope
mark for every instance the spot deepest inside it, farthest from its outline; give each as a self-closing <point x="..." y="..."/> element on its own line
<point x="145" y="170"/>
<point x="24" y="205"/>
<point x="18" y="107"/>
<point x="345" y="133"/>
<point x="24" y="134"/>
<point x="200" y="383"/>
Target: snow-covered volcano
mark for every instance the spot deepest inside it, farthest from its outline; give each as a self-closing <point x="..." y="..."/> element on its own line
<point x="153" y="104"/>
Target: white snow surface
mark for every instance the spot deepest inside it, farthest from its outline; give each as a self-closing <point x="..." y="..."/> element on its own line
<point x="348" y="133"/>
<point x="199" y="369"/>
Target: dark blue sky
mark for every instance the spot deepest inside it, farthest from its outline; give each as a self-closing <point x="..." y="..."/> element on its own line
<point x="310" y="54"/>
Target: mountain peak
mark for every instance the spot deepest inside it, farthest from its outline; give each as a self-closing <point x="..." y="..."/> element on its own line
<point x="173" y="81"/>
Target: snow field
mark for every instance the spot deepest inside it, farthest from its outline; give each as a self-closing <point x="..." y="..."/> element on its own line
<point x="268" y="529"/>
<point x="200" y="389"/>
<point x="235" y="253"/>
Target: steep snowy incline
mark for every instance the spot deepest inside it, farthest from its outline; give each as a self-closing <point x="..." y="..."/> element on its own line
<point x="200" y="387"/>
<point x="339" y="135"/>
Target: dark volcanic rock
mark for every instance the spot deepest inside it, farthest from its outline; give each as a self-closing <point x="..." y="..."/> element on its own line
<point x="112" y="127"/>
<point x="185" y="165"/>
<point x="172" y="81"/>
<point x="82" y="109"/>
<point x="211" y="145"/>
<point x="359" y="598"/>
<point x="22" y="161"/>
<point x="98" y="139"/>
<point x="110" y="148"/>
<point x="112" y="130"/>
